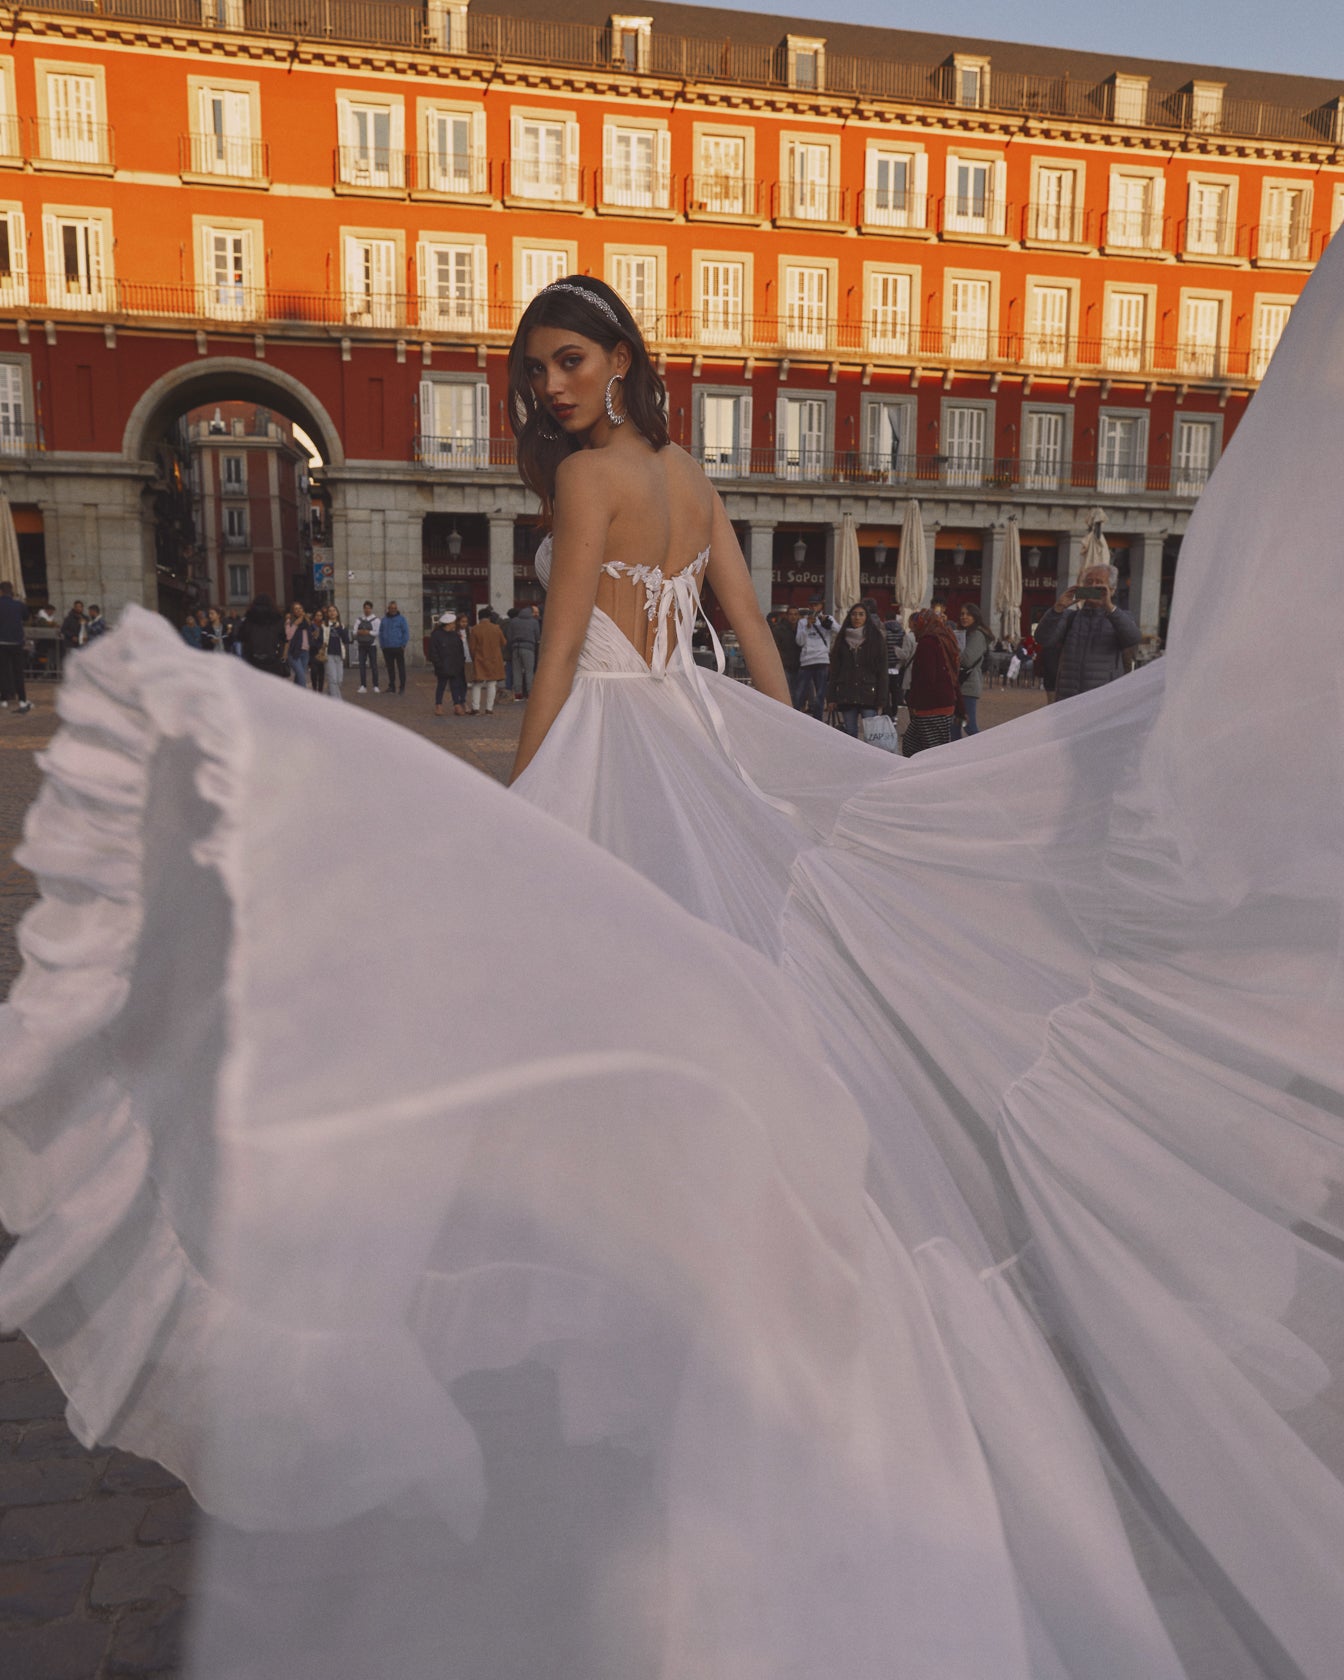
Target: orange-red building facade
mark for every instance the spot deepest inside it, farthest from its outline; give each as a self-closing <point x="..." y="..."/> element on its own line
<point x="1011" y="314"/>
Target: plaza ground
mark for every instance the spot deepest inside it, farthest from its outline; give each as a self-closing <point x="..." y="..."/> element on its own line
<point x="95" y="1547"/>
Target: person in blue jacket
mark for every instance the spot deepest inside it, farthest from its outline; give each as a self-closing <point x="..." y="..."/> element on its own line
<point x="393" y="635"/>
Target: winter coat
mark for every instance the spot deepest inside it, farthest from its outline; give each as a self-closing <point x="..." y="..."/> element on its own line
<point x="1089" y="646"/>
<point x="446" y="653"/>
<point x="487" y="652"/>
<point x="972" y="671"/>
<point x="393" y="631"/>
<point x="931" y="689"/>
<point x="858" y="675"/>
<point x="12" y="615"/>
<point x="523" y="631"/>
<point x="786" y="640"/>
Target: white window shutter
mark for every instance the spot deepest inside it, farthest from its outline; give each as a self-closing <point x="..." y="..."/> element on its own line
<point x="1115" y="201"/>
<point x="1000" y="195"/>
<point x="51" y="244"/>
<point x="571" y="160"/>
<point x="698" y="418"/>
<point x="354" y="266"/>
<point x="397" y="133"/>
<point x="479" y="166"/>
<point x="744" y="423"/>
<point x="515" y="151"/>
<point x="921" y="180"/>
<point x="662" y="194"/>
<point x="428" y="417"/>
<point x="483" y="415"/>
<point x="1159" y="195"/>
<point x="480" y="292"/>
<point x="95" y="257"/>
<point x="344" y="127"/>
<point x="425" y="288"/>
<point x="870" y="170"/>
<point x="18" y="251"/>
<point x="608" y="154"/>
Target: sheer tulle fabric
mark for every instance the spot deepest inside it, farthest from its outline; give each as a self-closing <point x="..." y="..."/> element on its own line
<point x="892" y="1229"/>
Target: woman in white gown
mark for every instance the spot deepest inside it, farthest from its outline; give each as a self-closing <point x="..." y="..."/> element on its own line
<point x="920" y="1261"/>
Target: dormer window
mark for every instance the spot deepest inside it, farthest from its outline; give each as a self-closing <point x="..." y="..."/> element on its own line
<point x="447" y="24"/>
<point x="805" y="63"/>
<point x="630" y="37"/>
<point x="1206" y="106"/>
<point x="1129" y="99"/>
<point x="970" y="81"/>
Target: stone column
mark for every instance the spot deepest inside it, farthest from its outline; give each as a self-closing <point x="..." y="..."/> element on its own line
<point x="501" y="590"/>
<point x="991" y="560"/>
<point x="1070" y="549"/>
<point x="761" y="559"/>
<point x="1145" y="580"/>
<point x="403" y="573"/>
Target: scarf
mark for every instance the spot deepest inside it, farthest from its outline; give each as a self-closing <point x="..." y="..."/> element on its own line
<point x="856" y="638"/>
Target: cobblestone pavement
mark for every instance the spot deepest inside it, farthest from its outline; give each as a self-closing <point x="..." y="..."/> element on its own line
<point x="95" y="1547"/>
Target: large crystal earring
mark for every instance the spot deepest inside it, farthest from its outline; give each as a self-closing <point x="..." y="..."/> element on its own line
<point x="612" y="416"/>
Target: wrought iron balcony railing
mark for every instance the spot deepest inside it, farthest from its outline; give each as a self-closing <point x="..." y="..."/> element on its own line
<point x="455" y="174"/>
<point x="230" y="156"/>
<point x="71" y="143"/>
<point x="372" y="167"/>
<point x="1057" y="224"/>
<point x="722" y="195"/>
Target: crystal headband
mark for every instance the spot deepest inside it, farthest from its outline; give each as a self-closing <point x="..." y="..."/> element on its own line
<point x="589" y="297"/>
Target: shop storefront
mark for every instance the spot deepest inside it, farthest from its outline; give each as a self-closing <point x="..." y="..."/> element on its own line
<point x="958" y="568"/>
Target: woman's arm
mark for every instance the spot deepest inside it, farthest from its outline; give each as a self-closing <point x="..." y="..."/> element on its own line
<point x="736" y="594"/>
<point x="583" y="513"/>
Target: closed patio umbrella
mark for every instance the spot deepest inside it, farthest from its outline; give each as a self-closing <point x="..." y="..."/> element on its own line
<point x="912" y="571"/>
<point x="847" y="585"/>
<point x="1095" y="550"/>
<point x="1008" y="589"/>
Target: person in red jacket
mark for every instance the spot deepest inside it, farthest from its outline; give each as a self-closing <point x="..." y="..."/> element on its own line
<point x="933" y="688"/>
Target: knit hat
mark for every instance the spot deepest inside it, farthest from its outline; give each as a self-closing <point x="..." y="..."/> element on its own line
<point x="448" y="618"/>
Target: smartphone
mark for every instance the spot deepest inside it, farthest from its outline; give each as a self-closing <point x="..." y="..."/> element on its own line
<point x="1089" y="592"/>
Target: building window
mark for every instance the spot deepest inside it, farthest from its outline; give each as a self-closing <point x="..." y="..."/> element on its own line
<point x="1126" y="347"/>
<point x="970" y="81"/>
<point x="222" y="14"/>
<point x="370" y="281"/>
<point x="895" y="189"/>
<point x="371" y="151"/>
<point x="1208" y="228"/>
<point x="76" y="273"/>
<point x="230" y="291"/>
<point x="72" y="132"/>
<point x="545" y="162"/>
<point x="634" y="275"/>
<point x="1206" y="106"/>
<point x="969" y="303"/>
<point x="966" y="441"/>
<point x="238" y="576"/>
<point x="223" y="142"/>
<point x="1122" y="453"/>
<point x="806" y="296"/>
<point x="232" y="479"/>
<point x="805" y="63"/>
<point x="1285" y="222"/>
<point x="723" y="432"/>
<point x="722" y="286"/>
<point x="12" y="410"/>
<point x="235" y="527"/>
<point x="1337" y="200"/>
<point x="631" y="38"/>
<point x="452" y="286"/>
<point x="636" y="167"/>
<point x="13" y="259"/>
<point x="1056" y="216"/>
<point x="1048" y="311"/>
<point x="889" y="313"/>
<point x="1270" y="320"/>
<point x="455" y="422"/>
<point x="1045" y="434"/>
<point x="1198" y="349"/>
<point x="720" y="185"/>
<point x="455" y="152"/>
<point x="806" y="193"/>
<point x="540" y="266"/>
<point x="1129" y="100"/>
<point x="802" y="437"/>
<point x="889" y="437"/>
<point x="1134" y="220"/>
<point x="1193" y="457"/>
<point x="9" y="122"/>
<point x="975" y="195"/>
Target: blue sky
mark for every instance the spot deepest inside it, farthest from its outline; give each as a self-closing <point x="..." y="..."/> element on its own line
<point x="1301" y="37"/>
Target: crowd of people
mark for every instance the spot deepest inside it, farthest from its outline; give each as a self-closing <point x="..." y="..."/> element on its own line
<point x="933" y="663"/>
<point x="936" y="664"/>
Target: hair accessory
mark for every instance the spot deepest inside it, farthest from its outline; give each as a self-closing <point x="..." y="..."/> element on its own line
<point x="612" y="416"/>
<point x="583" y="292"/>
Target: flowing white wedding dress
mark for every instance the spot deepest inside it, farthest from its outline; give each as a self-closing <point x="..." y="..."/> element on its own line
<point x="890" y="1225"/>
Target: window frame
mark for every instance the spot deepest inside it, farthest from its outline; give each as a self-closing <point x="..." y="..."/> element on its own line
<point x="1288" y="254"/>
<point x="698" y="199"/>
<point x="568" y="249"/>
<point x="44" y="70"/>
<point x="915" y="216"/>
<point x="657" y="199"/>
<point x="1226" y="247"/>
<point x="1040" y="478"/>
<point x="912" y="274"/>
<point x="739" y="463"/>
<point x="1186" y="348"/>
<point x="448" y="450"/>
<point x="1031" y="338"/>
<point x="1154" y="215"/>
<point x="1141" y="418"/>
<point x="16" y="441"/>
<point x="392" y="311"/>
<point x="195" y="167"/>
<point x="350" y="102"/>
<point x="11" y="124"/>
<point x="1210" y="423"/>
<point x="251" y="306"/>
<point x="953" y="276"/>
<point x="801" y="340"/>
<point x="725" y="338"/>
<point x="104" y="297"/>
<point x="652" y="324"/>
<point x="809" y="463"/>
<point x="964" y="224"/>
<point x="964" y="473"/>
<point x="1106" y="357"/>
<point x="478" y="151"/>
<point x="569" y="180"/>
<point x="1077" y="239"/>
<point x="471" y="316"/>
<point x="790" y="210"/>
<point x="15" y="291"/>
<point x="1264" y="301"/>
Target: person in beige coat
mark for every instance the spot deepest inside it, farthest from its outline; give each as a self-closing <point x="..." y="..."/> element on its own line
<point x="487" y="663"/>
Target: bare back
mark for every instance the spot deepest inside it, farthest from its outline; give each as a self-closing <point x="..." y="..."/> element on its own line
<point x="664" y="515"/>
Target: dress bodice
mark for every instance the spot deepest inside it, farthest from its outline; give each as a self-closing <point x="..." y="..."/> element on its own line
<point x="640" y="610"/>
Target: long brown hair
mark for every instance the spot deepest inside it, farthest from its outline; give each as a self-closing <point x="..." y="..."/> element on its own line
<point x="569" y="304"/>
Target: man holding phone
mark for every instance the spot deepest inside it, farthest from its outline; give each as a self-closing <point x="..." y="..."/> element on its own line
<point x="1091" y="634"/>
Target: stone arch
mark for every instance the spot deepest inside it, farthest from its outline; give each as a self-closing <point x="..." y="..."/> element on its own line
<point x="219" y="379"/>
